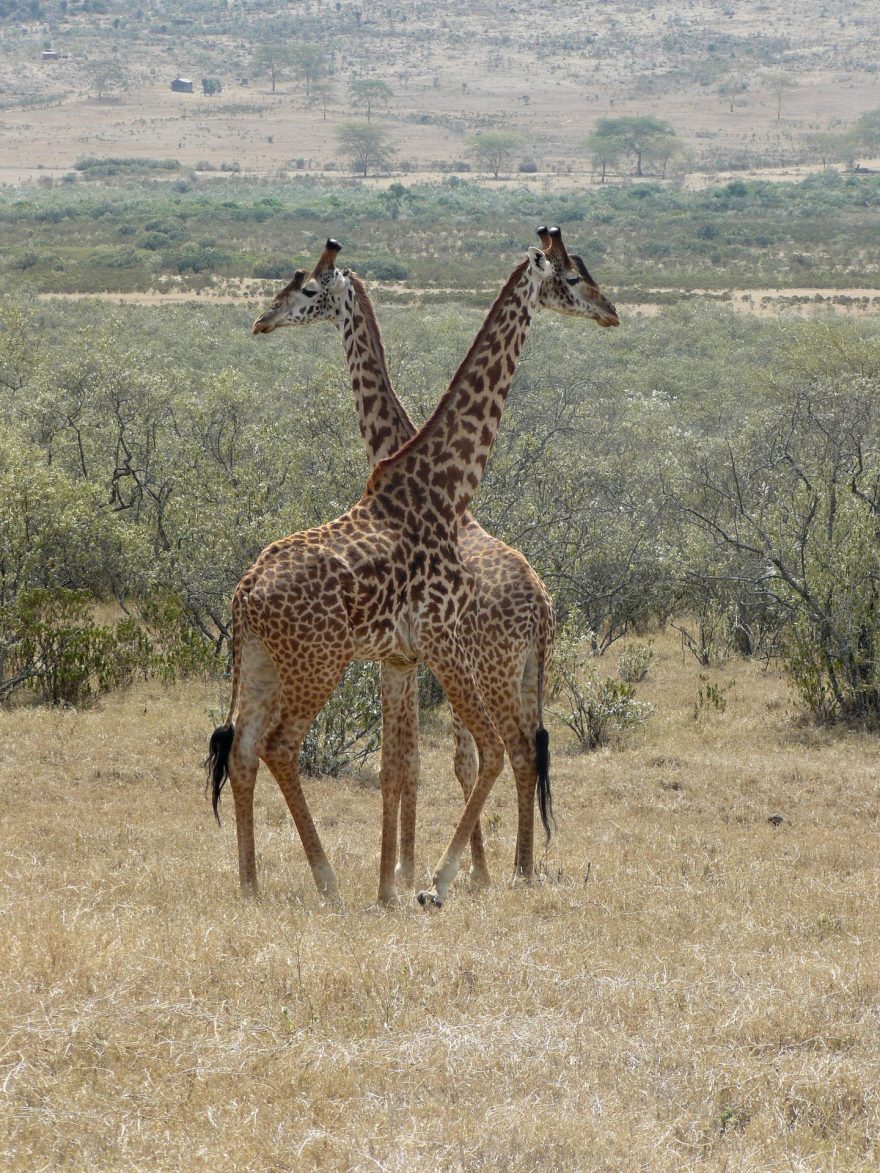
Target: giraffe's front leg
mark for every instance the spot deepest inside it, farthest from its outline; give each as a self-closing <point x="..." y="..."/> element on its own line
<point x="399" y="775"/>
<point x="464" y="698"/>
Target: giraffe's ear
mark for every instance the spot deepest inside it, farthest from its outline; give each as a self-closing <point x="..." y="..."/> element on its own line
<point x="539" y="262"/>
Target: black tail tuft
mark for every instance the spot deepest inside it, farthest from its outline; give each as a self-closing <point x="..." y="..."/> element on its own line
<point x="217" y="763"/>
<point x="545" y="796"/>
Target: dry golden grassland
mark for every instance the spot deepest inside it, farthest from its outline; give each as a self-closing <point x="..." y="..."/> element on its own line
<point x="708" y="999"/>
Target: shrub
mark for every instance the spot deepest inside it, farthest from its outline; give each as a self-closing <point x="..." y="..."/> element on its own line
<point x="50" y="644"/>
<point x="599" y="709"/>
<point x="348" y="728"/>
<point x="634" y="662"/>
<point x="103" y="168"/>
<point x="385" y="270"/>
<point x="273" y="269"/>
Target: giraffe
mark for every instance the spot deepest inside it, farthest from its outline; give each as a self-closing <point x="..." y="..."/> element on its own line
<point x="385" y="578"/>
<point x="509" y="624"/>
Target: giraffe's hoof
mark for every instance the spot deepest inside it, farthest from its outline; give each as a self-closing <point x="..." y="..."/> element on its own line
<point x="429" y="900"/>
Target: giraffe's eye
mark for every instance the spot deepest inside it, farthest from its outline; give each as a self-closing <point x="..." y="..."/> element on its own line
<point x="310" y="292"/>
<point x="573" y="280"/>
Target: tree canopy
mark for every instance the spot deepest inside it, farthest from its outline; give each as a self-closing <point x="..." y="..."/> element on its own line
<point x="494" y="149"/>
<point x="367" y="145"/>
<point x="368" y="94"/>
<point x="640" y="138"/>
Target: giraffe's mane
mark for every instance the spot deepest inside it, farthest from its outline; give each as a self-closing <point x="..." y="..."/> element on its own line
<point x="582" y="269"/>
<point x="427" y="426"/>
<point x="366" y="308"/>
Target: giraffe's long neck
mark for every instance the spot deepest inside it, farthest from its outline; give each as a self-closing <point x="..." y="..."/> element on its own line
<point x="448" y="454"/>
<point x="384" y="422"/>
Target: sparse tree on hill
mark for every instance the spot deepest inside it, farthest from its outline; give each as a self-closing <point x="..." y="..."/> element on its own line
<point x="494" y="150"/>
<point x="368" y="94"/>
<point x="107" y="77"/>
<point x="864" y="138"/>
<point x="779" y="84"/>
<point x="642" y="137"/>
<point x="322" y="93"/>
<point x="731" y="87"/>
<point x="310" y="63"/>
<point x="272" y="60"/>
<point x="827" y="145"/>
<point x="366" y="145"/>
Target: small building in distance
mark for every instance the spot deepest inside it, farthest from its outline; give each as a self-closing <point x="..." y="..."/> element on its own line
<point x="182" y="85"/>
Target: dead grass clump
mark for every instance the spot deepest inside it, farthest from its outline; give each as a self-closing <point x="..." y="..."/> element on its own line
<point x="689" y="986"/>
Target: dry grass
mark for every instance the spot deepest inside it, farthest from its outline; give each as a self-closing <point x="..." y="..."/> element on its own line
<point x="464" y="66"/>
<point x="708" y="999"/>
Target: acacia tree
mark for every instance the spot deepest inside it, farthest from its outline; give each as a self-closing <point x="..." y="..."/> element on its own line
<point x="322" y="92"/>
<point x="641" y="137"/>
<point x="731" y="87"/>
<point x="366" y="145"/>
<point x="795" y="500"/>
<point x="827" y="144"/>
<point x="864" y="138"/>
<point x="270" y="59"/>
<point x="108" y="77"/>
<point x="310" y="64"/>
<point x="306" y="62"/>
<point x="494" y="150"/>
<point x="368" y="94"/>
<point x="779" y="84"/>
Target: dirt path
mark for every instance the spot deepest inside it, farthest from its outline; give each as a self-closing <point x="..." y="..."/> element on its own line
<point x="762" y="302"/>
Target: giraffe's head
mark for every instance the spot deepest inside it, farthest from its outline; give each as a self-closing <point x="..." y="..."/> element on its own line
<point x="571" y="289"/>
<point x="310" y="297"/>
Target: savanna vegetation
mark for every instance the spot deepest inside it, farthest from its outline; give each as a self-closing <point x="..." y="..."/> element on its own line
<point x="453" y="235"/>
<point x="698" y="463"/>
<point x="692" y="982"/>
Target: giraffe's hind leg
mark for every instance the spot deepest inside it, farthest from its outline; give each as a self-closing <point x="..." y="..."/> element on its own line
<point x="527" y="723"/>
<point x="514" y="711"/>
<point x="301" y="698"/>
<point x="258" y="699"/>
<point x="466" y="766"/>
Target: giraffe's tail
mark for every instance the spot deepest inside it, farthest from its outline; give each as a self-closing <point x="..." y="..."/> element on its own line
<point x="217" y="763"/>
<point x="547" y="630"/>
<point x="220" y="745"/>
<point x="545" y="794"/>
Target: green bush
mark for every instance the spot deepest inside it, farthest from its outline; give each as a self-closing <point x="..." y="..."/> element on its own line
<point x="599" y="710"/>
<point x="634" y="662"/>
<point x="349" y="727"/>
<point x="385" y="270"/>
<point x="51" y="646"/>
